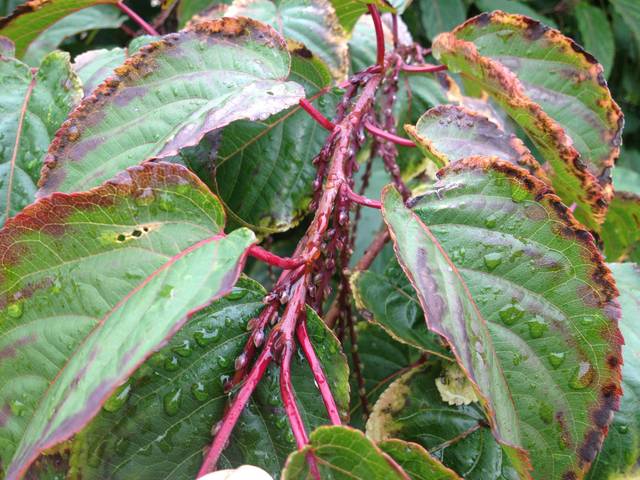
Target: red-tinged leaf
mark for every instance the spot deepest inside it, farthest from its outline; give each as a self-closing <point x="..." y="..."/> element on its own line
<point x="504" y="242"/>
<point x="90" y="285"/>
<point x="451" y="312"/>
<point x="449" y="133"/>
<point x="168" y="96"/>
<point x="33" y="17"/>
<point x="554" y="90"/>
<point x="33" y="104"/>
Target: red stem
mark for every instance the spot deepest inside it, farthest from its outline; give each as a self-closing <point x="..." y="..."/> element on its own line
<point x="269" y="258"/>
<point x="233" y="414"/>
<point x="361" y="200"/>
<point x="138" y="19"/>
<point x="427" y="68"/>
<point x="316" y="115"/>
<point x="318" y="373"/>
<point x="377" y="23"/>
<point x="378" y="132"/>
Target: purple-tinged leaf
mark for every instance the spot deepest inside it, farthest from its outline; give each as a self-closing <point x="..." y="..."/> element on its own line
<point x="90" y="285"/>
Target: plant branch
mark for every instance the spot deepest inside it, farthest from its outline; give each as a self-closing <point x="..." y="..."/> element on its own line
<point x="427" y="68"/>
<point x="323" y="121"/>
<point x="318" y="373"/>
<point x="377" y="23"/>
<point x="272" y="259"/>
<point x="137" y="18"/>
<point x="362" y="200"/>
<point x="223" y="430"/>
<point x="378" y="132"/>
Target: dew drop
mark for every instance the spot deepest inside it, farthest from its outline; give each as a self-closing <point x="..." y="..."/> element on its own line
<point x="184" y="349"/>
<point x="171" y="364"/>
<point x="199" y="391"/>
<point x="623" y="428"/>
<point x="171" y="401"/>
<point x="458" y="255"/>
<point x="166" y="291"/>
<point x="537" y="326"/>
<point x="546" y="412"/>
<point x="17" y="408"/>
<point x="511" y="314"/>
<point x="15" y="310"/>
<point x="582" y="376"/>
<point x="556" y="359"/>
<point x="491" y="220"/>
<point x="236" y="294"/>
<point x="118" y="399"/>
<point x="223" y="362"/>
<point x="492" y="260"/>
<point x="281" y="422"/>
<point x="205" y="337"/>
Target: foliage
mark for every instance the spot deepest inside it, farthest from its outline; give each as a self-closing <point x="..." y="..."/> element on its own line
<point x="329" y="238"/>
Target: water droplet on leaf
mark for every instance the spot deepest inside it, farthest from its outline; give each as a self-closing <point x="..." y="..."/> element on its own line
<point x="15" y="310"/>
<point x="556" y="359"/>
<point x="116" y="401"/>
<point x="537" y="326"/>
<point x="511" y="314"/>
<point x="171" y="401"/>
<point x="582" y="376"/>
<point x="492" y="260"/>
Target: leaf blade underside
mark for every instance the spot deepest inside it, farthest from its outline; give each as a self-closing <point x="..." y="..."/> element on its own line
<point x="168" y="96"/>
<point x="94" y="312"/>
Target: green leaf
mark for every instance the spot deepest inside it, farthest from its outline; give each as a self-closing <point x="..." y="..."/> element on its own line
<point x="621" y="229"/>
<point x="391" y="303"/>
<point x="178" y="395"/>
<point x="456" y="319"/>
<point x="554" y="90"/>
<point x="514" y="257"/>
<point x="416" y="461"/>
<point x="629" y="11"/>
<point x="32" y="108"/>
<point x="278" y="152"/>
<point x="341" y="453"/>
<point x="349" y="11"/>
<point x="33" y="17"/>
<point x="92" y="284"/>
<point x="513" y="6"/>
<point x="449" y="133"/>
<point x="229" y="69"/>
<point x="621" y="450"/>
<point x="441" y="16"/>
<point x="313" y="23"/>
<point x="94" y="66"/>
<point x="596" y="34"/>
<point x="412" y="409"/>
<point x="98" y="17"/>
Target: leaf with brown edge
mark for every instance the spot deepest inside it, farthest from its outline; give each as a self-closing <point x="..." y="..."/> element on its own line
<point x="33" y="17"/>
<point x="549" y="301"/>
<point x="311" y="22"/>
<point x="90" y="285"/>
<point x="449" y="133"/>
<point x="451" y="312"/>
<point x="227" y="69"/>
<point x="33" y="104"/>
<point x="555" y="91"/>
